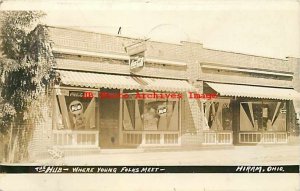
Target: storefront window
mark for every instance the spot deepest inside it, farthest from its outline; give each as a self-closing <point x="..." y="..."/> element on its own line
<point x="263" y="116"/>
<point x="218" y="115"/>
<point x="76" y="113"/>
<point x="151" y="115"/>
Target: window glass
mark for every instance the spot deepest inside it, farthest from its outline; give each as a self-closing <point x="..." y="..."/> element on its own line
<point x="76" y="113"/>
<point x="263" y="116"/>
<point x="218" y="115"/>
<point x="151" y="114"/>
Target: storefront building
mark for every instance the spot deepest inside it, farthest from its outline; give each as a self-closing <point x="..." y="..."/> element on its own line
<point x="117" y="115"/>
<point x="256" y="98"/>
<point x="251" y="113"/>
<point x="118" y="92"/>
<point x="130" y="95"/>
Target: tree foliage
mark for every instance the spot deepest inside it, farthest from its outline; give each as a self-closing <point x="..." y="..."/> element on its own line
<point x="27" y="69"/>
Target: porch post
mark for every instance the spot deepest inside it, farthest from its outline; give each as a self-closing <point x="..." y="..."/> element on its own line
<point x="121" y="119"/>
<point x="179" y="121"/>
<point x="203" y="123"/>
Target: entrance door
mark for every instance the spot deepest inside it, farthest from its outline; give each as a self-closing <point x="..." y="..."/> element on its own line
<point x="109" y="123"/>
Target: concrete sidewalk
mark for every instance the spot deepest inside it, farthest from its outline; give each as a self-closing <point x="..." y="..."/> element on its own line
<point x="231" y="155"/>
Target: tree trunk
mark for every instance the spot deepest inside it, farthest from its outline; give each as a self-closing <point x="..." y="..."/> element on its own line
<point x="9" y="150"/>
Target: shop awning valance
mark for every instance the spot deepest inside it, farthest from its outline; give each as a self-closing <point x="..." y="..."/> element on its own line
<point x="95" y="80"/>
<point x="254" y="91"/>
<point x="154" y="84"/>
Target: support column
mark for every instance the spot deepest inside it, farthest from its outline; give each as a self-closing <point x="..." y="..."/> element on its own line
<point x="179" y="121"/>
<point x="236" y="121"/>
<point x="121" y="119"/>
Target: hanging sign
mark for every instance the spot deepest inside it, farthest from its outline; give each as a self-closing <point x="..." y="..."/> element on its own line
<point x="136" y="54"/>
<point x="136" y="48"/>
<point x="136" y="62"/>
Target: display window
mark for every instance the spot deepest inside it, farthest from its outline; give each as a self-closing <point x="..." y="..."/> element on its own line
<point x="263" y="116"/>
<point x="74" y="119"/>
<point x="151" y="114"/>
<point x="218" y="115"/>
<point x="75" y="113"/>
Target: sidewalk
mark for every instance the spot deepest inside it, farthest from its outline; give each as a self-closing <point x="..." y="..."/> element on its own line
<point x="230" y="155"/>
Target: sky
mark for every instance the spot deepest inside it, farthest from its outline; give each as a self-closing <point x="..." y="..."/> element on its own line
<point x="264" y="28"/>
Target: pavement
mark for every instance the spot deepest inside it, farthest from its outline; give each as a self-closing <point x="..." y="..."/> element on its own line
<point x="231" y="155"/>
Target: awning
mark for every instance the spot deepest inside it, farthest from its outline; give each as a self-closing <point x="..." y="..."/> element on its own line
<point x="154" y="84"/>
<point x="95" y="80"/>
<point x="254" y="91"/>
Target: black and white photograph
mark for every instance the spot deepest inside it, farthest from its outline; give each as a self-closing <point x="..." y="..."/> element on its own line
<point x="156" y="88"/>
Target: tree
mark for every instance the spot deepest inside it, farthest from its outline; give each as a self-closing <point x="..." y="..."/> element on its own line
<point x="26" y="69"/>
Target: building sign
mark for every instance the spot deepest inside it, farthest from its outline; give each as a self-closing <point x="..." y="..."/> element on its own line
<point x="76" y="94"/>
<point x="136" y="62"/>
<point x="136" y="54"/>
<point x="85" y="94"/>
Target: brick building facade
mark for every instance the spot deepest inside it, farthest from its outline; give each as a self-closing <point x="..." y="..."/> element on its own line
<point x="255" y="102"/>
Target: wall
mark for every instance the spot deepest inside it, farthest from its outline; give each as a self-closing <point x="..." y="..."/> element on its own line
<point x="242" y="61"/>
<point x="76" y="41"/>
<point x="193" y="54"/>
<point x="119" y="67"/>
<point x="42" y="136"/>
<point x="114" y="45"/>
<point x="296" y="68"/>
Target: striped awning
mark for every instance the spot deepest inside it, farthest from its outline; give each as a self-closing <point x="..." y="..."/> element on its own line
<point x="155" y="84"/>
<point x="96" y="80"/>
<point x="254" y="91"/>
